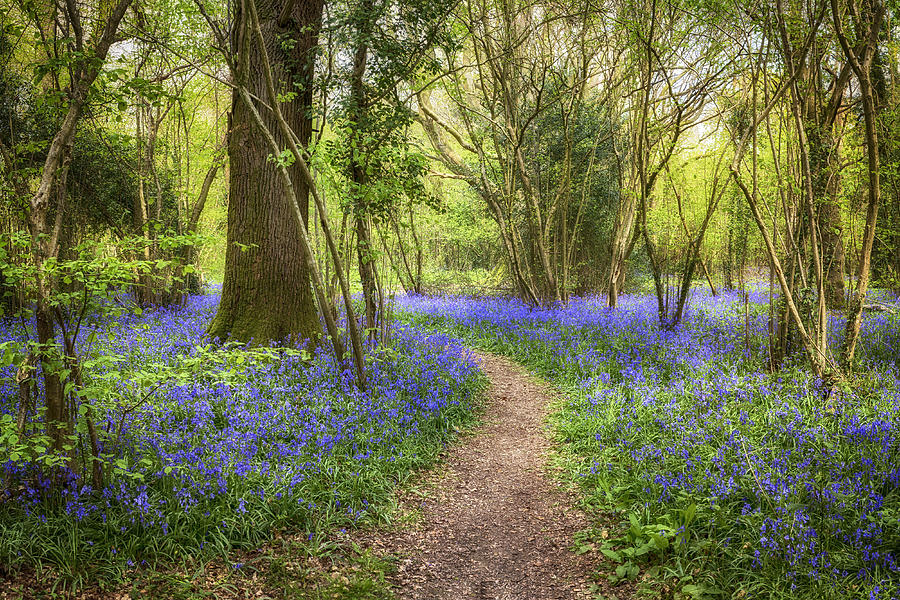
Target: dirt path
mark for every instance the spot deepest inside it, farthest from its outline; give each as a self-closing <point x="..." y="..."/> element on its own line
<point x="498" y="527"/>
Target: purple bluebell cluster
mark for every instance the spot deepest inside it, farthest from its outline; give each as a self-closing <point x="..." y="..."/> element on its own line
<point x="794" y="484"/>
<point x="240" y="446"/>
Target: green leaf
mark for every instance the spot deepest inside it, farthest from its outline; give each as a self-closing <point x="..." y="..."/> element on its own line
<point x="661" y="542"/>
<point x="634" y="521"/>
<point x="643" y="549"/>
<point x="694" y="591"/>
<point x="611" y="554"/>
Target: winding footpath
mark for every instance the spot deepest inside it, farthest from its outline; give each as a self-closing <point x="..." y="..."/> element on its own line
<point x="496" y="527"/>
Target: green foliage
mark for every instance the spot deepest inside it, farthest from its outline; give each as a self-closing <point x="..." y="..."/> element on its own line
<point x="372" y="162"/>
<point x="394" y="170"/>
<point x="401" y="36"/>
<point x="91" y="284"/>
<point x="103" y="187"/>
<point x="28" y="446"/>
<point x="102" y="178"/>
<point x="593" y="187"/>
<point x="86" y="290"/>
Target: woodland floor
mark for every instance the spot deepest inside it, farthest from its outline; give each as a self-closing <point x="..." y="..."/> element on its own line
<point x="495" y="525"/>
<point x="490" y="522"/>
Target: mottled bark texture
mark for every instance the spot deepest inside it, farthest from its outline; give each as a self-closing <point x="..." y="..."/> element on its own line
<point x="266" y="293"/>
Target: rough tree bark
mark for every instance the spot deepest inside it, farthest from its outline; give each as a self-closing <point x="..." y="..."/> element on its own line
<point x="266" y="292"/>
<point x="247" y="25"/>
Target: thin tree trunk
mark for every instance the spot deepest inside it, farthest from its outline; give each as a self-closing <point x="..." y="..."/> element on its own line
<point x="365" y="250"/>
<point x="862" y="67"/>
<point x="45" y="236"/>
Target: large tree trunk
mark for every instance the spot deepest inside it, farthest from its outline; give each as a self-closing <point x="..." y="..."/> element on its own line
<point x="266" y="293"/>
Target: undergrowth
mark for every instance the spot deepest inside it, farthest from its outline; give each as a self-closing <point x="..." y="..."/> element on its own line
<point x="731" y="481"/>
<point x="211" y="450"/>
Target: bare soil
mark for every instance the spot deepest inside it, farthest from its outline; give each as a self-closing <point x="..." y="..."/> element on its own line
<point x="496" y="525"/>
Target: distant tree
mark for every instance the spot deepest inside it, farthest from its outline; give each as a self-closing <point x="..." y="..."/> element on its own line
<point x="526" y="64"/>
<point x="672" y="97"/>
